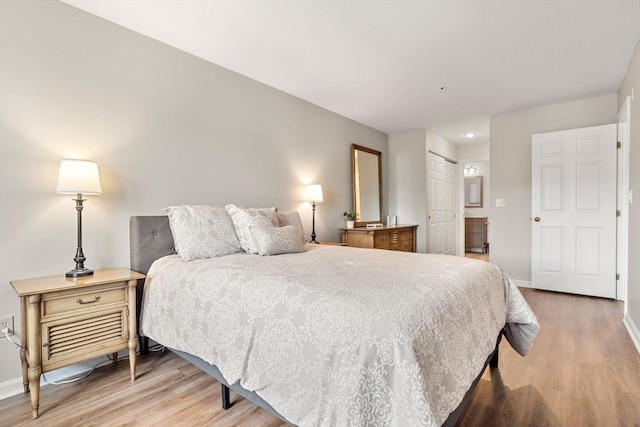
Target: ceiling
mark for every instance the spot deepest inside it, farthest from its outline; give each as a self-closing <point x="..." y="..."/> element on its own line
<point x="399" y="65"/>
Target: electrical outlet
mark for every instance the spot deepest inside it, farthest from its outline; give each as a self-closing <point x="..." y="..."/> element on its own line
<point x="7" y="322"/>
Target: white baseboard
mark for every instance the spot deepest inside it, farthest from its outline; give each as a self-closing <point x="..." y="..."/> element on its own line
<point x="14" y="386"/>
<point x="633" y="330"/>
<point x="11" y="388"/>
<point x="521" y="283"/>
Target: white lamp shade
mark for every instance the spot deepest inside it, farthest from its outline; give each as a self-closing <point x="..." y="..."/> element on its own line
<point x="313" y="193"/>
<point x="79" y="176"/>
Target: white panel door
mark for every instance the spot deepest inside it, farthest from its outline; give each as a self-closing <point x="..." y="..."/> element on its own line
<point x="573" y="232"/>
<point x="441" y="177"/>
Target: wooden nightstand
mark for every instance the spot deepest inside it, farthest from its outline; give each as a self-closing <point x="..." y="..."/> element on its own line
<point x="333" y="243"/>
<point x="67" y="321"/>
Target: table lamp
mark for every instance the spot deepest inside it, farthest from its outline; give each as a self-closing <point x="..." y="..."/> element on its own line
<point x="313" y="194"/>
<point x="79" y="177"/>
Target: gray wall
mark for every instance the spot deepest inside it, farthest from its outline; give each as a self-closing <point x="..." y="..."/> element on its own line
<point x="408" y="198"/>
<point x="408" y="181"/>
<point x="632" y="82"/>
<point x="511" y="172"/>
<point x="165" y="127"/>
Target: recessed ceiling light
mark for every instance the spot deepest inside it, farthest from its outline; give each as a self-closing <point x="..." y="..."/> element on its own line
<point x="470" y="134"/>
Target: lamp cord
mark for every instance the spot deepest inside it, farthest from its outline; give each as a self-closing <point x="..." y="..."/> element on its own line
<point x="5" y="331"/>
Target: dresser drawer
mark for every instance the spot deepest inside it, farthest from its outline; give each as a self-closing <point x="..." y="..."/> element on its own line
<point x="475" y="240"/>
<point x="404" y="246"/>
<point x="68" y="302"/>
<point x="382" y="239"/>
<point x="406" y="235"/>
<point x="386" y="245"/>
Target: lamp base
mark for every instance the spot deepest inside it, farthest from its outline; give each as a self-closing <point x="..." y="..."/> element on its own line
<point x="79" y="272"/>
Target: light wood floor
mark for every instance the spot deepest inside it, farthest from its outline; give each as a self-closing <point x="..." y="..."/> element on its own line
<point x="582" y="371"/>
<point x="476" y="255"/>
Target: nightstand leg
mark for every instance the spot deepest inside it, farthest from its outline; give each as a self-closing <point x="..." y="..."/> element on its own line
<point x="34" y="388"/>
<point x="133" y="347"/>
<point x="133" y="329"/>
<point x="34" y="352"/>
<point x="25" y="370"/>
<point x="23" y="346"/>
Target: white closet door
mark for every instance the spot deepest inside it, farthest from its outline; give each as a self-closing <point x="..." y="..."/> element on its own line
<point x="441" y="178"/>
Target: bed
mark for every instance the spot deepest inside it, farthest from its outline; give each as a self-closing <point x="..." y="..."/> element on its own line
<point x="333" y="335"/>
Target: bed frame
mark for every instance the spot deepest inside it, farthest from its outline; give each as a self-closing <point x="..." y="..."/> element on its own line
<point x="150" y="238"/>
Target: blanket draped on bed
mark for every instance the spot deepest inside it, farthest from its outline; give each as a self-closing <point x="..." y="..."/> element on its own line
<point x="340" y="336"/>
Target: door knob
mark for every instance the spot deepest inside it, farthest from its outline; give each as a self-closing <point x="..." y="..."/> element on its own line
<point x="536" y="219"/>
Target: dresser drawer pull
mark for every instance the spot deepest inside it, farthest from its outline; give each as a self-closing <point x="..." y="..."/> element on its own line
<point x="95" y="299"/>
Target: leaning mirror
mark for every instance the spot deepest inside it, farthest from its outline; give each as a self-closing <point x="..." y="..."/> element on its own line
<point x="367" y="184"/>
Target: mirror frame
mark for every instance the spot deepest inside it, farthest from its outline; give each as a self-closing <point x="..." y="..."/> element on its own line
<point x="468" y="180"/>
<point x="354" y="148"/>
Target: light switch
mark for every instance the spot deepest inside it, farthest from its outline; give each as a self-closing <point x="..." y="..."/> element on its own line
<point x="500" y="203"/>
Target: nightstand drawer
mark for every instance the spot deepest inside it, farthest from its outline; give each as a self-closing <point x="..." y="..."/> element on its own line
<point x="87" y="299"/>
<point x="79" y="338"/>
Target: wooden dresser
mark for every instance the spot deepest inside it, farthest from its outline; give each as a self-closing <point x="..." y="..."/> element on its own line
<point x="475" y="234"/>
<point x="394" y="238"/>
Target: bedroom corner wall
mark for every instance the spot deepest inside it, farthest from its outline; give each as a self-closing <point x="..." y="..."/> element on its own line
<point x="407" y="181"/>
<point x="631" y="84"/>
<point x="165" y="128"/>
<point x="408" y="192"/>
<point x="510" y="153"/>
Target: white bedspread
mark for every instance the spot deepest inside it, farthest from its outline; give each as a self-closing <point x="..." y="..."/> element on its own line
<point x="340" y="336"/>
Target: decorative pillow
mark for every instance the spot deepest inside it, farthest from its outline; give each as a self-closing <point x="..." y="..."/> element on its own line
<point x="202" y="231"/>
<point x="277" y="240"/>
<point x="243" y="218"/>
<point x="291" y="218"/>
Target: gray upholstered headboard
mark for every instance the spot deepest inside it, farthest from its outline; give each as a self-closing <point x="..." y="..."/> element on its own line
<point x="150" y="238"/>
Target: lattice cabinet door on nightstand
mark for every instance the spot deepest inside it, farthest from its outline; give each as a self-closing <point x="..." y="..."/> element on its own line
<point x="67" y="321"/>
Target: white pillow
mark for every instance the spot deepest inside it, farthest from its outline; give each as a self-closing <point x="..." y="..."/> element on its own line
<point x="243" y="218"/>
<point x="277" y="240"/>
<point x="202" y="231"/>
<point x="291" y="218"/>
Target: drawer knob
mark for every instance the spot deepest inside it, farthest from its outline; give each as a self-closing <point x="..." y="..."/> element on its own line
<point x="95" y="299"/>
<point x="45" y="344"/>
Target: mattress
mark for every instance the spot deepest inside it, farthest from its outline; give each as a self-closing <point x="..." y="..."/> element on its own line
<point x="337" y="335"/>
